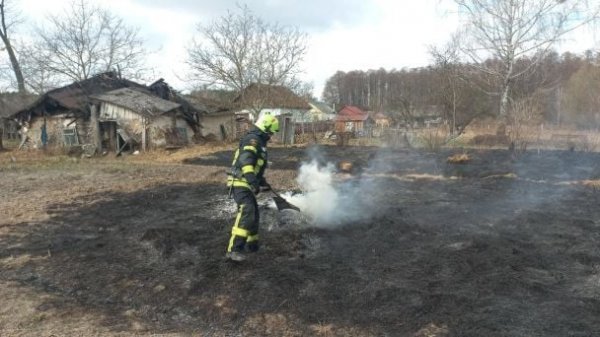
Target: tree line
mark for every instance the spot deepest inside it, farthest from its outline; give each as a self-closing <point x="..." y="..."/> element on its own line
<point x="562" y="88"/>
<point x="499" y="63"/>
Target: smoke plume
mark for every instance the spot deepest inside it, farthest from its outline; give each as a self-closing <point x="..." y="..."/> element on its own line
<point x="328" y="199"/>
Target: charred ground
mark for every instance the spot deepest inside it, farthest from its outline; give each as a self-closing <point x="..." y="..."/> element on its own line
<point x="503" y="245"/>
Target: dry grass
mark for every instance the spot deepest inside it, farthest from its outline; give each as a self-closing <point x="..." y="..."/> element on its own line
<point x="178" y="155"/>
<point x="461" y="158"/>
<point x="58" y="157"/>
<point x="535" y="137"/>
<point x="595" y="184"/>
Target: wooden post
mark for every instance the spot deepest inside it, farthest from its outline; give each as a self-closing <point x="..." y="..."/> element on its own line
<point x="95" y="121"/>
<point x="144" y="134"/>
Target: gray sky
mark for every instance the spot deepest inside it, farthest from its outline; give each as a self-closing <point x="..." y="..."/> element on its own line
<point x="343" y="34"/>
<point x="310" y="15"/>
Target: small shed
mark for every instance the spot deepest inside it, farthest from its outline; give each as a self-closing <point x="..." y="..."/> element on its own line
<point x="351" y="119"/>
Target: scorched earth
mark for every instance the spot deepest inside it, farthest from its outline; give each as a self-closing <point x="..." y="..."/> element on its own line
<point x="410" y="245"/>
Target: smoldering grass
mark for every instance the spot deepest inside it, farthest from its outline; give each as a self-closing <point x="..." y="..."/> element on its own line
<point x="594" y="184"/>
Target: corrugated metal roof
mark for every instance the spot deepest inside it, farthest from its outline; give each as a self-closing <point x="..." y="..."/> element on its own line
<point x="137" y="101"/>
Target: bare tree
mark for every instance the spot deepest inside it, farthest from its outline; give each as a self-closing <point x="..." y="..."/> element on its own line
<point x="507" y="30"/>
<point x="9" y="17"/>
<point x="239" y="49"/>
<point x="88" y="40"/>
<point x="333" y="87"/>
<point x="38" y="78"/>
<point x="304" y="89"/>
<point x="448" y="66"/>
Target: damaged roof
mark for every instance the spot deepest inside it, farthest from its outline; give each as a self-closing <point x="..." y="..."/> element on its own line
<point x="75" y="98"/>
<point x="137" y="101"/>
<point x="75" y="95"/>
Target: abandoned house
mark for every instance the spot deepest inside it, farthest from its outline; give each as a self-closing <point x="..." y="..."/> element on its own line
<point x="128" y="113"/>
<point x="110" y="114"/>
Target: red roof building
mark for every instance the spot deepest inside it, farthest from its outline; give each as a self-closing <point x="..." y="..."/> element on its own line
<point x="350" y="119"/>
<point x="351" y="113"/>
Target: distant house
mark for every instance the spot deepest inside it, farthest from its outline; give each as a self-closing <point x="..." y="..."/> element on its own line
<point x="352" y="119"/>
<point x="106" y="112"/>
<point x="258" y="99"/>
<point x="279" y="101"/>
<point x="320" y="111"/>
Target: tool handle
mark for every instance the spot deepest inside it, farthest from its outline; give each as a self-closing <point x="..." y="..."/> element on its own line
<point x="272" y="190"/>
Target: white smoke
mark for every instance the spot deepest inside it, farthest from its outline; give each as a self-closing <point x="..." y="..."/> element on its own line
<point x="325" y="199"/>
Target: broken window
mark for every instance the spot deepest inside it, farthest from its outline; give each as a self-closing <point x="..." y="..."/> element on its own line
<point x="70" y="136"/>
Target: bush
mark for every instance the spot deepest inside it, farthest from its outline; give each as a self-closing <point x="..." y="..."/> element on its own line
<point x="433" y="139"/>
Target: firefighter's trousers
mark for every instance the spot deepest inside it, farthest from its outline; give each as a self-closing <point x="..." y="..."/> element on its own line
<point x="244" y="232"/>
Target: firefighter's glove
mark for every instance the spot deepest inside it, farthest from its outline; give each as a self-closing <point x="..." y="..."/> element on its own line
<point x="255" y="188"/>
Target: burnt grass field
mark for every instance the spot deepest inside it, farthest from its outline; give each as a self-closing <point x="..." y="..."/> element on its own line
<point x="503" y="245"/>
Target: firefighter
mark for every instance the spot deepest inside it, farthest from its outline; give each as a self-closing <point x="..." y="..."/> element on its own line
<point x="245" y="180"/>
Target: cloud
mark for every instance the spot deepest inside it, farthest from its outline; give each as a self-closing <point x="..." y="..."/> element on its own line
<point x="308" y="15"/>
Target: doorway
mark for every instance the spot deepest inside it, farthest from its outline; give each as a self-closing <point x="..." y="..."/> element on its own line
<point x="108" y="136"/>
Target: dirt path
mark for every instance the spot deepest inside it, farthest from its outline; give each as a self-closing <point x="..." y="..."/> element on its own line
<point x="501" y="246"/>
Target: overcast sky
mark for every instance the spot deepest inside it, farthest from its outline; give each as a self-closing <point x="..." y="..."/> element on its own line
<point x="343" y="34"/>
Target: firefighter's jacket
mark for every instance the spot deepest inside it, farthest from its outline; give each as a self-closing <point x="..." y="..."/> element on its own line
<point x="249" y="160"/>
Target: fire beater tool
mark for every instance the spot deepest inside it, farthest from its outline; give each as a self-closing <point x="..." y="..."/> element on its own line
<point x="280" y="202"/>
